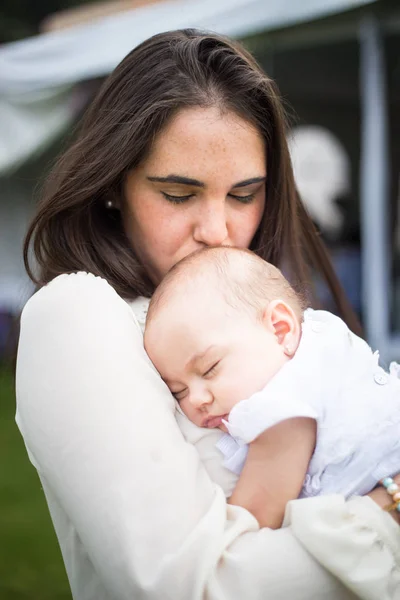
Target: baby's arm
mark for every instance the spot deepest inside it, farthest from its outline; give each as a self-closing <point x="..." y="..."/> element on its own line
<point x="275" y="469"/>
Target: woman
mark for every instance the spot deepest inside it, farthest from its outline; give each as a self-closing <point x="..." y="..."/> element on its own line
<point x="184" y="147"/>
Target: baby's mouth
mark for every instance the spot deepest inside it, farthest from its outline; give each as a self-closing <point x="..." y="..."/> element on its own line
<point x="211" y="422"/>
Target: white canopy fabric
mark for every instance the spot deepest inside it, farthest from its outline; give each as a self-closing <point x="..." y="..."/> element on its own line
<point x="37" y="74"/>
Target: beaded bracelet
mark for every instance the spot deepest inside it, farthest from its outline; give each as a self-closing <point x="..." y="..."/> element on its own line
<point x="394" y="491"/>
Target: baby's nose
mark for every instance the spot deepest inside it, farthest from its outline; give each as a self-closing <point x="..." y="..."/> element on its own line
<point x="202" y="398"/>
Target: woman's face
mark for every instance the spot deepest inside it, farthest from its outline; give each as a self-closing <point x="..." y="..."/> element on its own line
<point x="203" y="184"/>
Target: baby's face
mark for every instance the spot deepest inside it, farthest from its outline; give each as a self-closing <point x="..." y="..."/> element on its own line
<point x="211" y="355"/>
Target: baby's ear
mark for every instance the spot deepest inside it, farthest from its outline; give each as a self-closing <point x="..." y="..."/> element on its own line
<point x="282" y="321"/>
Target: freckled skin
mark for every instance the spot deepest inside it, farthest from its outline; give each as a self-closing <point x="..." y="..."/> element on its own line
<point x="216" y="149"/>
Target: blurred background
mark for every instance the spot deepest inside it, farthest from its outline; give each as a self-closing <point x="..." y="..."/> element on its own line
<point x="337" y="63"/>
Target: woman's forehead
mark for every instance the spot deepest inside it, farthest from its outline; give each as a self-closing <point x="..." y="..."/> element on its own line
<point x="199" y="139"/>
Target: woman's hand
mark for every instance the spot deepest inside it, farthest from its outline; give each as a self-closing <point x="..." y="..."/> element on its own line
<point x="382" y="498"/>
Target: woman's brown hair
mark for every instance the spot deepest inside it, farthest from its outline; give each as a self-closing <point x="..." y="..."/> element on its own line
<point x="73" y="230"/>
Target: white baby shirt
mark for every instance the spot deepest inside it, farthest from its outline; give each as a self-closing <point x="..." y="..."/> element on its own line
<point x="336" y="379"/>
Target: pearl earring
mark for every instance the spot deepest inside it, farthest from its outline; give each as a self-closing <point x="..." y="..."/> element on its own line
<point x="288" y="350"/>
<point x="109" y="204"/>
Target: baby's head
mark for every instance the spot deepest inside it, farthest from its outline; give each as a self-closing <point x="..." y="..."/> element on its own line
<point x="220" y="325"/>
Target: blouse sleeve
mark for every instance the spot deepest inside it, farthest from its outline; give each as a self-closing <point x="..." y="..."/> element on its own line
<point x="99" y="426"/>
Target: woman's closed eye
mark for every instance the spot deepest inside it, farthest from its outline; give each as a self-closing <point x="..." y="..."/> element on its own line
<point x="176" y="199"/>
<point x="243" y="199"/>
<point x="247" y="199"/>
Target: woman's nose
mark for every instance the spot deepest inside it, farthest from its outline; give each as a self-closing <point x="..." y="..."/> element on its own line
<point x="211" y="228"/>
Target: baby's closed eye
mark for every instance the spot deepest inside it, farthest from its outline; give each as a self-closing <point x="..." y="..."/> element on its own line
<point x="179" y="394"/>
<point x="212" y="370"/>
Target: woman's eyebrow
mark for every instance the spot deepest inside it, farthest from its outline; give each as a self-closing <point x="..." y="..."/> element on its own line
<point x="188" y="181"/>
<point x="177" y="179"/>
<point x="247" y="182"/>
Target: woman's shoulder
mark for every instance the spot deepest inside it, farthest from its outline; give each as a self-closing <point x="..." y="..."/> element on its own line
<point x="79" y="319"/>
<point x="74" y="294"/>
<point x="79" y="282"/>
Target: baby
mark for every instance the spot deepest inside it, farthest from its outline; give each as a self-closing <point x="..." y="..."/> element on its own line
<point x="305" y="407"/>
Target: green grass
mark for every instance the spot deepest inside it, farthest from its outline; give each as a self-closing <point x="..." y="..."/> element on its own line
<point x="31" y="567"/>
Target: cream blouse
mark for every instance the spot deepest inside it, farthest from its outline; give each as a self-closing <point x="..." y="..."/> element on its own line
<point x="139" y="509"/>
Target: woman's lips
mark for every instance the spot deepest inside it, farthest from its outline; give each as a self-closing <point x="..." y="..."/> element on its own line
<point x="212" y="422"/>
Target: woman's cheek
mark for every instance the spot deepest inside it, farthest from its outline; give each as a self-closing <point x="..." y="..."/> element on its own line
<point x="175" y="231"/>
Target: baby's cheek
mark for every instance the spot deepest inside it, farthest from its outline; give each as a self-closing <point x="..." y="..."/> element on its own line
<point x="231" y="392"/>
<point x="191" y="413"/>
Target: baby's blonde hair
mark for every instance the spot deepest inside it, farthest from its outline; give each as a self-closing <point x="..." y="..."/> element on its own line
<point x="245" y="280"/>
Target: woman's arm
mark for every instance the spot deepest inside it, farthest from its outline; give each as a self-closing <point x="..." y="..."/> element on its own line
<point x="130" y="498"/>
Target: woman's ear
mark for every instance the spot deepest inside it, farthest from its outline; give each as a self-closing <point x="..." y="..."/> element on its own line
<point x="282" y="321"/>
